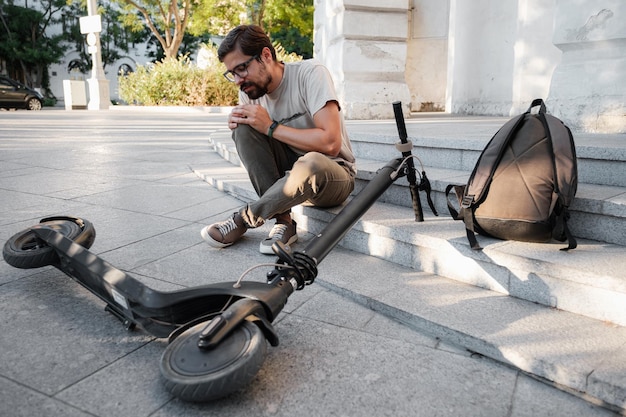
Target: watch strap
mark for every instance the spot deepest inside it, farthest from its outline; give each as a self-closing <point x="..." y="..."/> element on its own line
<point x="273" y="127"/>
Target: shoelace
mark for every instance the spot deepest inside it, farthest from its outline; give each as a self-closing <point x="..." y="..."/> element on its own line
<point x="278" y="231"/>
<point x="227" y="226"/>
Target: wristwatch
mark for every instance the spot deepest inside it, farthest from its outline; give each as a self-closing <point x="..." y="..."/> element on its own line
<point x="273" y="127"/>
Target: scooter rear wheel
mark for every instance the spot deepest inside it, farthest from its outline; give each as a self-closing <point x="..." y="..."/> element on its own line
<point x="25" y="250"/>
<point x="200" y="375"/>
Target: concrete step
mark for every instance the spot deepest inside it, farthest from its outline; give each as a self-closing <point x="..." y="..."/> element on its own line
<point x="499" y="302"/>
<point x="453" y="142"/>
<point x="598" y="211"/>
<point x="448" y="148"/>
<point x="589" y="280"/>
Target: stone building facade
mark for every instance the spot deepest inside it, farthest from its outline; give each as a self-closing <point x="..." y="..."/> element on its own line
<point x="484" y="57"/>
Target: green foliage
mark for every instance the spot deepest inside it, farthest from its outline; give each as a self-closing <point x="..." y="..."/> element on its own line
<point x="296" y="15"/>
<point x="284" y="55"/>
<point x="189" y="46"/>
<point x="178" y="82"/>
<point x="24" y="46"/>
<point x="289" y="22"/>
<point x="49" y="102"/>
<point x="294" y="41"/>
<point x="217" y="17"/>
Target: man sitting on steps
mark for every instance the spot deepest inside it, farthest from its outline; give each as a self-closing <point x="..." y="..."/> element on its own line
<point x="290" y="136"/>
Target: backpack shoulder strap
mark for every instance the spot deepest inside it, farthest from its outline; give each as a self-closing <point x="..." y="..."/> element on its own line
<point x="458" y="190"/>
<point x="565" y="161"/>
<point x="482" y="174"/>
<point x="565" y="172"/>
<point x="464" y="213"/>
<point x="490" y="157"/>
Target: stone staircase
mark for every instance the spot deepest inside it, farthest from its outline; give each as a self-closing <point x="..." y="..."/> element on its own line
<point x="560" y="316"/>
<point x="590" y="280"/>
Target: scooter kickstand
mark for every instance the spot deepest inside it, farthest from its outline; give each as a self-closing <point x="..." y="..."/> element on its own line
<point x="126" y="322"/>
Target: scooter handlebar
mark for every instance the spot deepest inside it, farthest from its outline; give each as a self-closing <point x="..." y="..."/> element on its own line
<point x="410" y="175"/>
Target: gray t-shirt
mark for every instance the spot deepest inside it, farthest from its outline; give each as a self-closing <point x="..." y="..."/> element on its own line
<point x="305" y="89"/>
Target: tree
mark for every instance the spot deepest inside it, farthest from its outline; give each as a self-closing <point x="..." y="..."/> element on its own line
<point x="24" y="46"/>
<point x="114" y="38"/>
<point x="166" y="19"/>
<point x="290" y="14"/>
<point x="218" y="17"/>
<point x="289" y="22"/>
<point x="189" y="46"/>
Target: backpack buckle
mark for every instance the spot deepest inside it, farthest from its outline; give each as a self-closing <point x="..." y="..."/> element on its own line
<point x="467" y="201"/>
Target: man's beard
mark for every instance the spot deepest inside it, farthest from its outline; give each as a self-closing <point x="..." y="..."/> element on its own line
<point x="257" y="90"/>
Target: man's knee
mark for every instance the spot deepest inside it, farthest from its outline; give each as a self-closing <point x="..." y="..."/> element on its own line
<point x="310" y="164"/>
<point x="321" y="179"/>
<point x="246" y="134"/>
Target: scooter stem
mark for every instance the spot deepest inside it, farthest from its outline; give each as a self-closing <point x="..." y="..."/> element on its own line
<point x="328" y="238"/>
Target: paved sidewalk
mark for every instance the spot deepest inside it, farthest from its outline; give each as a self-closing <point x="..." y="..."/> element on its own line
<point x="129" y="172"/>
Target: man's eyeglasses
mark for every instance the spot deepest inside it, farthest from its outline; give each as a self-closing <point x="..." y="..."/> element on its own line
<point x="240" y="70"/>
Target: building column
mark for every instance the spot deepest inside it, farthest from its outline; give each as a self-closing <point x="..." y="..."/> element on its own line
<point x="363" y="43"/>
<point x="588" y="91"/>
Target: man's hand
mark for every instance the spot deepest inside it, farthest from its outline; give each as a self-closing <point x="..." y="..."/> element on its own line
<point x="324" y="138"/>
<point x="250" y="114"/>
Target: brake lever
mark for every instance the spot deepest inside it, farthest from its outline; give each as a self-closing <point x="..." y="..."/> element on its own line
<point x="424" y="185"/>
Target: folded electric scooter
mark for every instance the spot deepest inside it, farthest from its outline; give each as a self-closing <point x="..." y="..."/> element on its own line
<point x="217" y="333"/>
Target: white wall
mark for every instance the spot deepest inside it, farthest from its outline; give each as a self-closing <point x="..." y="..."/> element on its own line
<point x="474" y="57"/>
<point x="588" y="88"/>
<point x="427" y="55"/>
<point x="364" y="45"/>
<point x="500" y="55"/>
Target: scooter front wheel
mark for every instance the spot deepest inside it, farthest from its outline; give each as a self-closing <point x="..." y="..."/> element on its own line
<point x="26" y="250"/>
<point x="199" y="375"/>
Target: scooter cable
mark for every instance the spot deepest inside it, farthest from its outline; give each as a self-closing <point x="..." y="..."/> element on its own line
<point x="237" y="284"/>
<point x="395" y="173"/>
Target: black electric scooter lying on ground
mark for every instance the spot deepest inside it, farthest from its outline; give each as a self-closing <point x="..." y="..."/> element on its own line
<point x="216" y="332"/>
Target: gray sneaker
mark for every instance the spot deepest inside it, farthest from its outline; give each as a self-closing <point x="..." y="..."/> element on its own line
<point x="286" y="233"/>
<point x="223" y="234"/>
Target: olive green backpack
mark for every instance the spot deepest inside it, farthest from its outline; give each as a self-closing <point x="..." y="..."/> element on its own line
<point x="523" y="183"/>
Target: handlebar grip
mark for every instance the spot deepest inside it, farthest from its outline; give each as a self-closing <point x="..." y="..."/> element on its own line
<point x="397" y="111"/>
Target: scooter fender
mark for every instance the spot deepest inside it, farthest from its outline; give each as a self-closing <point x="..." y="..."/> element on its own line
<point x="221" y="325"/>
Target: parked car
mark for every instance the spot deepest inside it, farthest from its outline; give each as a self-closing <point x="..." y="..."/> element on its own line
<point x="15" y="95"/>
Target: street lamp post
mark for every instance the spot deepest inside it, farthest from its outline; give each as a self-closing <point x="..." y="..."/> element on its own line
<point x="99" y="98"/>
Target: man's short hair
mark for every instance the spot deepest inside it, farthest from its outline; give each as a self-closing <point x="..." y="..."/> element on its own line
<point x="250" y="39"/>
